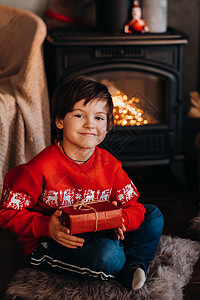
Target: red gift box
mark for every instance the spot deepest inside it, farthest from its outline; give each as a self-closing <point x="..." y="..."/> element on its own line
<point x="95" y="216"/>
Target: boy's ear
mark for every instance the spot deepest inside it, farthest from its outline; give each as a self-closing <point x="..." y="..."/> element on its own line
<point x="59" y="124"/>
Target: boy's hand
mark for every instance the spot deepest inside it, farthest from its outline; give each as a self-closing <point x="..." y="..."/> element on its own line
<point x="61" y="234"/>
<point x="119" y="231"/>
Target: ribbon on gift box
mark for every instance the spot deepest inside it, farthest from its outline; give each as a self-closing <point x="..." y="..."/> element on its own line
<point x="82" y="205"/>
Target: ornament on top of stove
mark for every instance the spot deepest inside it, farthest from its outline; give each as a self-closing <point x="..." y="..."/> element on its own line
<point x="137" y="23"/>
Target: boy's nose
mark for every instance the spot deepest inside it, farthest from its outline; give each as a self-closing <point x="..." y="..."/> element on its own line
<point x="89" y="123"/>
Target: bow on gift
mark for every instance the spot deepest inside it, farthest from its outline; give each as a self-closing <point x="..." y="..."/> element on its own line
<point x="82" y="205"/>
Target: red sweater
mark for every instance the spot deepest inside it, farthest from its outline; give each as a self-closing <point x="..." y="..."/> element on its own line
<point x="34" y="190"/>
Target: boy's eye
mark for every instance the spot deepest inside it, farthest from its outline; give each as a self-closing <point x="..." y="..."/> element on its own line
<point x="78" y="116"/>
<point x="100" y="118"/>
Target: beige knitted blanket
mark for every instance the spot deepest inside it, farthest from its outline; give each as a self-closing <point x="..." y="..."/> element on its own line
<point x="24" y="102"/>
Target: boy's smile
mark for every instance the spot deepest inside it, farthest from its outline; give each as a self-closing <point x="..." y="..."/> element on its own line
<point x="84" y="128"/>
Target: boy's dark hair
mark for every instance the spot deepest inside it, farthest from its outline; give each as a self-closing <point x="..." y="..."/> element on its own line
<point x="76" y="89"/>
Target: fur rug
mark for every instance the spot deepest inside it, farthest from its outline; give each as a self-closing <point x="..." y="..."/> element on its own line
<point x="169" y="272"/>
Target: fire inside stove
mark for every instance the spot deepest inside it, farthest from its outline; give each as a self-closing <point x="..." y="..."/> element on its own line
<point x="126" y="111"/>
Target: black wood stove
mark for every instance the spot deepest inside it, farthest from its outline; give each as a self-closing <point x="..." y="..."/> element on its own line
<point x="144" y="75"/>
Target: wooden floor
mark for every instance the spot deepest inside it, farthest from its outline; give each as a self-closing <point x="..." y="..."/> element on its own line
<point x="176" y="197"/>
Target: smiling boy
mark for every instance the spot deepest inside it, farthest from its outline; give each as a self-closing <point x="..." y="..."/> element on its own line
<point x="72" y="169"/>
<point x="83" y="128"/>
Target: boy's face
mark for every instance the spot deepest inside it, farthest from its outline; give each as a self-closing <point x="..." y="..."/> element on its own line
<point x="86" y="126"/>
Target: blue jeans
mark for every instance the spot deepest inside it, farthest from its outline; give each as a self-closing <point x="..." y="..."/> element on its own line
<point x="103" y="255"/>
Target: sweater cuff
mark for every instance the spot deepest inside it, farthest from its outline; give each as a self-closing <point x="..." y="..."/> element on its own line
<point x="42" y="226"/>
<point x="125" y="217"/>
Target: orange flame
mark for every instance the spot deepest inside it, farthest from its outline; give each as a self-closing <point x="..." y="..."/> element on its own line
<point x="125" y="112"/>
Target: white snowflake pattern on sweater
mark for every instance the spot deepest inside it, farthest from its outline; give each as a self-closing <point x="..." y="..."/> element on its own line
<point x="67" y="197"/>
<point x="71" y="196"/>
<point x="15" y="200"/>
<point x="127" y="193"/>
